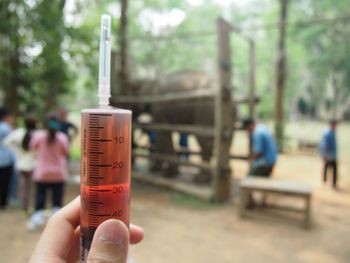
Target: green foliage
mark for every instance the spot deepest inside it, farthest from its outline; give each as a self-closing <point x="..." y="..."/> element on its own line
<point x="193" y="202"/>
<point x="33" y="71"/>
<point x="326" y="44"/>
<point x="54" y="57"/>
<point x="75" y="152"/>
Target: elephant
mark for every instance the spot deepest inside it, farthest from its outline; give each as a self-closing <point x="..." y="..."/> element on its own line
<point x="197" y="111"/>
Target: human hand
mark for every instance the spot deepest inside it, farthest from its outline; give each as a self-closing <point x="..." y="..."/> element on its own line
<point x="60" y="239"/>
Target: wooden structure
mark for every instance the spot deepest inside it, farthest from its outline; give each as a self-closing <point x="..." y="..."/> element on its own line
<point x="299" y="190"/>
<point x="223" y="120"/>
<point x="221" y="132"/>
<point x="308" y="146"/>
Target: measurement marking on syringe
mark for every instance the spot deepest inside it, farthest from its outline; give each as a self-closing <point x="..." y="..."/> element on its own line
<point x="92" y="152"/>
<point x="100" y="190"/>
<point x="99" y="114"/>
<point x="96" y="127"/>
<point x="96" y="177"/>
<point x="100" y="165"/>
<point x="96" y="202"/>
<point x="93" y="214"/>
<point x="101" y="140"/>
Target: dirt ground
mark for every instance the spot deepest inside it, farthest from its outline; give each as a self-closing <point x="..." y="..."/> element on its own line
<point x="181" y="229"/>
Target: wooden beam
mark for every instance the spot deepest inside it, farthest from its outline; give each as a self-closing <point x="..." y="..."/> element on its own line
<point x="199" y="130"/>
<point x="201" y="192"/>
<point x="206" y="131"/>
<point x="173" y="159"/>
<point x="169" y="97"/>
<point x="249" y="99"/>
<point x="180" y="151"/>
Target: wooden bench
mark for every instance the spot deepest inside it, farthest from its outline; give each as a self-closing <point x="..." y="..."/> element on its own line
<point x="265" y="185"/>
<point x="308" y="146"/>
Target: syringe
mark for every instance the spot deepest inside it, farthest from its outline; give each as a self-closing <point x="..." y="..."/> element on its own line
<point x="105" y="155"/>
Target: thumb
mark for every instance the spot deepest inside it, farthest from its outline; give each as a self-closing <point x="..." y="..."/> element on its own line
<point x="110" y="243"/>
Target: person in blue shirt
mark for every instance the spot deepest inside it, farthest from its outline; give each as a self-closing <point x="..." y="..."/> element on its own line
<point x="7" y="158"/>
<point x="328" y="151"/>
<point x="183" y="143"/>
<point x="66" y="127"/>
<point x="264" y="149"/>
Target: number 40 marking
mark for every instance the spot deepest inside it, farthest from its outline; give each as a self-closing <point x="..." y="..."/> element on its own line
<point x="118" y="213"/>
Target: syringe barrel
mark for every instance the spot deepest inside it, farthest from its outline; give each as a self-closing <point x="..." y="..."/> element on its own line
<point x="105" y="170"/>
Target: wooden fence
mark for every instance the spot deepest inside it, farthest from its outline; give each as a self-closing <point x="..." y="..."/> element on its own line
<point x="221" y="132"/>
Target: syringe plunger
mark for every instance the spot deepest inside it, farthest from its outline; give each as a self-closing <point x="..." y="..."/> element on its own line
<point x="105" y="61"/>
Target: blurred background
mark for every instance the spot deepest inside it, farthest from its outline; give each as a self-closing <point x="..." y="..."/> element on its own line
<point x="295" y="81"/>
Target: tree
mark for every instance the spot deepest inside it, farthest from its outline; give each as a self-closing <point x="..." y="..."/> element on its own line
<point x="124" y="69"/>
<point x="33" y="72"/>
<point x="327" y="55"/>
<point x="280" y="75"/>
<point x="13" y="69"/>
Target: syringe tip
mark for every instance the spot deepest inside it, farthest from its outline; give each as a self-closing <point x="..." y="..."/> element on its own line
<point x="105" y="21"/>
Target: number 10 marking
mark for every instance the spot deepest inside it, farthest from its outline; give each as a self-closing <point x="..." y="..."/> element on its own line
<point x="118" y="139"/>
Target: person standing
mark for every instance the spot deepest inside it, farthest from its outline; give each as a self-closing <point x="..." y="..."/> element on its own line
<point x="328" y="151"/>
<point x="7" y="158"/>
<point x="66" y="126"/>
<point x="264" y="149"/>
<point x="51" y="171"/>
<point x="183" y="143"/>
<point x="18" y="141"/>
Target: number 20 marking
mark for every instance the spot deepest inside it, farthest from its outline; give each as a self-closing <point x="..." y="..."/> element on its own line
<point x="117" y="165"/>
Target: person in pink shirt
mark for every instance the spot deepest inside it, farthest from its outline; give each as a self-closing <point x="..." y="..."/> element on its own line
<point x="51" y="172"/>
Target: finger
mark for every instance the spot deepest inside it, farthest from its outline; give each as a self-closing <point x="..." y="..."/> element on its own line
<point x="58" y="234"/>
<point x="110" y="243"/>
<point x="74" y="250"/>
<point x="136" y="234"/>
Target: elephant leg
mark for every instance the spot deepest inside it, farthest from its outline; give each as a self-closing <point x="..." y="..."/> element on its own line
<point x="164" y="145"/>
<point x="205" y="177"/>
<point x="156" y="165"/>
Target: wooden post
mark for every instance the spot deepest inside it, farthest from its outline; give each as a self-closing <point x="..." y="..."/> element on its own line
<point x="223" y="117"/>
<point x="307" y="212"/>
<point x="244" y="194"/>
<point x="252" y="79"/>
<point x="251" y="89"/>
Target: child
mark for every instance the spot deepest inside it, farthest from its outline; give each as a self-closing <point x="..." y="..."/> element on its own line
<point x="18" y="141"/>
<point x="50" y="173"/>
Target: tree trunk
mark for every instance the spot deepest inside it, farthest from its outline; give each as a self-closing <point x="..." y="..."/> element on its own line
<point x="11" y="96"/>
<point x="123" y="74"/>
<point x="280" y="75"/>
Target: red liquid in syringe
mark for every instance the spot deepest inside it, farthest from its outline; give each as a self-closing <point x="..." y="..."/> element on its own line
<point x="105" y="170"/>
